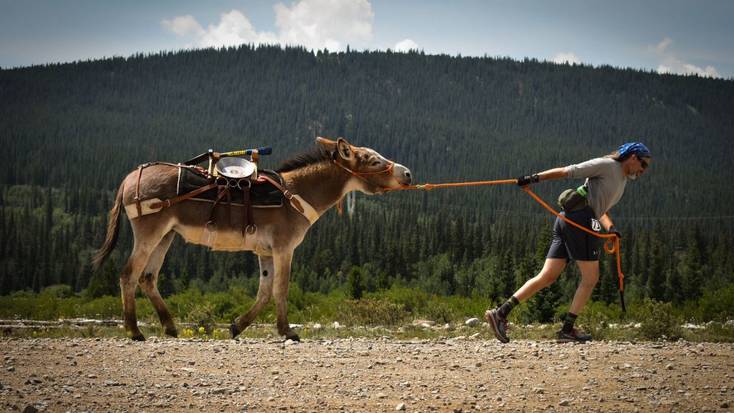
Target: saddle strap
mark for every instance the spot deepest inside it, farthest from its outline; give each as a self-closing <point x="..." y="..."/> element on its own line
<point x="298" y="203"/>
<point x="248" y="224"/>
<point x="137" y="189"/>
<point x="168" y="202"/>
<point x="223" y="190"/>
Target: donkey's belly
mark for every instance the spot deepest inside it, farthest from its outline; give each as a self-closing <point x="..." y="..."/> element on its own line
<point x="223" y="239"/>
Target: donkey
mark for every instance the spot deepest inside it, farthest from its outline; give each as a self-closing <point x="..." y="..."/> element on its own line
<point x="319" y="179"/>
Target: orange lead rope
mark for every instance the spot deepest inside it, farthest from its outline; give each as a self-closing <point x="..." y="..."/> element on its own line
<point x="612" y="245"/>
<point x="429" y="187"/>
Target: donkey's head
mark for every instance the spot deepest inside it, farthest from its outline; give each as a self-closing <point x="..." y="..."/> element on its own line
<point x="374" y="173"/>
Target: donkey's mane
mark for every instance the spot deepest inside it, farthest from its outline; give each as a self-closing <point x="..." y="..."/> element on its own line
<point x="314" y="155"/>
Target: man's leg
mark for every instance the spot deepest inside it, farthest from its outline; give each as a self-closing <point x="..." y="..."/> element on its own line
<point x="589" y="278"/>
<point x="497" y="318"/>
<point x="552" y="268"/>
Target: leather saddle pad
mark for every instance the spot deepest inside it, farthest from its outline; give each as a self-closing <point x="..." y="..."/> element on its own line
<point x="262" y="193"/>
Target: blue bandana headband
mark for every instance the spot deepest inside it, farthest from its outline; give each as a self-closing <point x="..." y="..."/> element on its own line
<point x="634" y="148"/>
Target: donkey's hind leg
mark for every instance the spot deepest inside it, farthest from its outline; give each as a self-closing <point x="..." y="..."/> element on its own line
<point x="128" y="284"/>
<point x="149" y="283"/>
<point x="147" y="238"/>
<point x="264" y="292"/>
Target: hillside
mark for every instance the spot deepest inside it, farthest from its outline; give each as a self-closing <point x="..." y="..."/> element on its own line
<point x="70" y="132"/>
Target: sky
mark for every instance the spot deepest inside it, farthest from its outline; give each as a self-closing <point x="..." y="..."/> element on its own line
<point x="666" y="36"/>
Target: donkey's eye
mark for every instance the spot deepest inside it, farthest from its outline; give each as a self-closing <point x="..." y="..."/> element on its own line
<point x="375" y="163"/>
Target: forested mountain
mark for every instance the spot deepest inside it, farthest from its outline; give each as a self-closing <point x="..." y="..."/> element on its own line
<point x="70" y="133"/>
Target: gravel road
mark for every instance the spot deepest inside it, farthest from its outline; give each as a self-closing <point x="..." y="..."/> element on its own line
<point x="455" y="375"/>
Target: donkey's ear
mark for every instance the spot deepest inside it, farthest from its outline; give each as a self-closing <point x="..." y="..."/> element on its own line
<point x="344" y="149"/>
<point x="327" y="144"/>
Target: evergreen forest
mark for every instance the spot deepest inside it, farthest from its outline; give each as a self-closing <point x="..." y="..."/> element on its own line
<point x="70" y="132"/>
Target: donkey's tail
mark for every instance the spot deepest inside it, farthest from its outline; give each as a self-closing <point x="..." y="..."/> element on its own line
<point x="113" y="230"/>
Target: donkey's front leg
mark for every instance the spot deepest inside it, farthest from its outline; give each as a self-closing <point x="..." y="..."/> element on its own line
<point x="280" y="293"/>
<point x="264" y="292"/>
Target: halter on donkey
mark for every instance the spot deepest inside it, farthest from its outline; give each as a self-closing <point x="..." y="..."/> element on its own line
<point x="320" y="179"/>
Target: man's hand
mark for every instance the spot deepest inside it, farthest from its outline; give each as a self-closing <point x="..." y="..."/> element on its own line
<point x="613" y="230"/>
<point x="528" y="179"/>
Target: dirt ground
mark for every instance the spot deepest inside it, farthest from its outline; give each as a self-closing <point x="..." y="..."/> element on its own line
<point x="362" y="374"/>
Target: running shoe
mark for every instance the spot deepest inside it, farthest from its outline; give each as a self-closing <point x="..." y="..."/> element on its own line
<point x="573" y="336"/>
<point x="498" y="325"/>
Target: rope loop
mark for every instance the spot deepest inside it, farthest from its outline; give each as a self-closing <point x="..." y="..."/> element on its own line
<point x="610" y="247"/>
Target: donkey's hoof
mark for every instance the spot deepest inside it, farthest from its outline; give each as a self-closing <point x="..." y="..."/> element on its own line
<point x="293" y="337"/>
<point x="234" y="330"/>
<point x="172" y="332"/>
<point x="138" y="337"/>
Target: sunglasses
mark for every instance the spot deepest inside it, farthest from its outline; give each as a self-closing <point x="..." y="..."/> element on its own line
<point x="643" y="163"/>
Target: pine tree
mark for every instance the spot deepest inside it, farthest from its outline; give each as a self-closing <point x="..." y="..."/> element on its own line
<point x="355" y="283"/>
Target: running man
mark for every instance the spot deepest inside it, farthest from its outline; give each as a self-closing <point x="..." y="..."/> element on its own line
<point x="606" y="178"/>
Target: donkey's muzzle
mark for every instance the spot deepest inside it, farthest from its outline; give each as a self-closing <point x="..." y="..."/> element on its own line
<point x="402" y="174"/>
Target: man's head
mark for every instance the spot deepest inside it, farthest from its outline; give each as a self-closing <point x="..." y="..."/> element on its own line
<point x="635" y="158"/>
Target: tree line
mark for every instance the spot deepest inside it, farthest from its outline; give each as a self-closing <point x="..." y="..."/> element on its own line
<point x="70" y="132"/>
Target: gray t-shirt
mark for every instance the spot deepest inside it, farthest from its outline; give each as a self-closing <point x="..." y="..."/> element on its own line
<point x="605" y="180"/>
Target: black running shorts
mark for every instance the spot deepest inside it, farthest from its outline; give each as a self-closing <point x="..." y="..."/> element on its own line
<point x="572" y="243"/>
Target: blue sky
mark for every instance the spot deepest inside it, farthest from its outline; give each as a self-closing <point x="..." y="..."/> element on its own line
<point x="661" y="35"/>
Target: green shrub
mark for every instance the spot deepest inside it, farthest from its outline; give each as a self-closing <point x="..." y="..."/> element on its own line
<point x="657" y="320"/>
<point x="439" y="311"/>
<point x="17" y="305"/>
<point x="317" y="307"/>
<point x="102" y="307"/>
<point x="296" y="297"/>
<point x="522" y="314"/>
<point x="371" y="312"/>
<point x="183" y="303"/>
<point x="202" y="316"/>
<point x="596" y="318"/>
<point x="465" y="307"/>
<point x="226" y="306"/>
<point x="44" y="308"/>
<point x="412" y="300"/>
<point x="717" y="304"/>
<point x="58" y="291"/>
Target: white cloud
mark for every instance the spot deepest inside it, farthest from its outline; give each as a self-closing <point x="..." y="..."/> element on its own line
<point x="566" y="57"/>
<point x="663" y="45"/>
<point x="234" y="28"/>
<point x="183" y="25"/>
<point x="315" y="24"/>
<point x="325" y="23"/>
<point x="406" y="45"/>
<point x="708" y="71"/>
<point x="671" y="63"/>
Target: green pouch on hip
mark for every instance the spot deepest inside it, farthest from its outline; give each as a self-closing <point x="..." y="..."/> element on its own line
<point x="573" y="199"/>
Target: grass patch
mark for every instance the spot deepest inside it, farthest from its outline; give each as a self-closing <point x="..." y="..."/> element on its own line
<point x="387" y="313"/>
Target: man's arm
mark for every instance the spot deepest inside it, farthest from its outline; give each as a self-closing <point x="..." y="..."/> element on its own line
<point x="606" y="222"/>
<point x="554" y="173"/>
